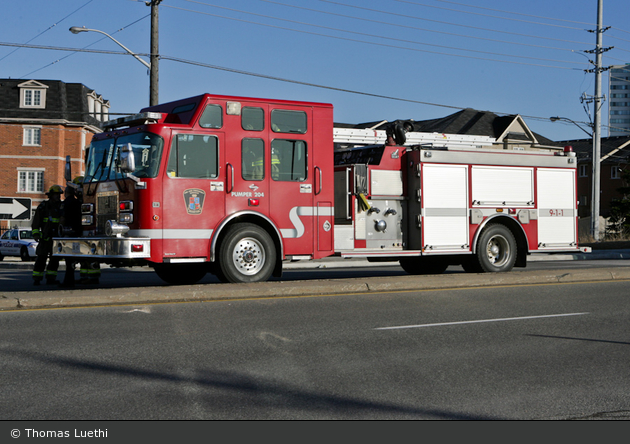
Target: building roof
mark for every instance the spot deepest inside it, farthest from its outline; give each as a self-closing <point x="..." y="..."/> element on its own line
<point x="474" y="123"/>
<point x="64" y="101"/>
<point x="614" y="149"/>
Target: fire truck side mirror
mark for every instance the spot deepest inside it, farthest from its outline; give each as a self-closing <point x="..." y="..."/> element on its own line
<point x="127" y="160"/>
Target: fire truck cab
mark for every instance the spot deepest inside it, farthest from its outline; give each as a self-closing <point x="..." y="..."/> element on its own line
<point x="234" y="186"/>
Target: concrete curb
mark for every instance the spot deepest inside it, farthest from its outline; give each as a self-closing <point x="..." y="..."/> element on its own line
<point x="200" y="293"/>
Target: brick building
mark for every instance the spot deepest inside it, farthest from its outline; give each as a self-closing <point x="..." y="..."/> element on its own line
<point x="42" y="122"/>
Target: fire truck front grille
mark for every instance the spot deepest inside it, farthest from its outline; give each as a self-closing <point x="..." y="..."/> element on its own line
<point x="106" y="209"/>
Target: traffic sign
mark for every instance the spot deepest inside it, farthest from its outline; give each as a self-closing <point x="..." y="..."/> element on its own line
<point x="15" y="208"/>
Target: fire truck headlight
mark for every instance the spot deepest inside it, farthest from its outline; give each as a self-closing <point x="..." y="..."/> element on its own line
<point x="86" y="219"/>
<point x="126" y="218"/>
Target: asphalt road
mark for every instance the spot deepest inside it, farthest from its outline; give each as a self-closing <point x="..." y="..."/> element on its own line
<point x="329" y="276"/>
<point x="550" y="350"/>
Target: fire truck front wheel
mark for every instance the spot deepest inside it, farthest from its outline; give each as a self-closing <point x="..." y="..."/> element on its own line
<point x="496" y="250"/>
<point x="247" y="254"/>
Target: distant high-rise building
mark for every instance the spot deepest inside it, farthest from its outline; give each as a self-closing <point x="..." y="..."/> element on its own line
<point x="619" y="101"/>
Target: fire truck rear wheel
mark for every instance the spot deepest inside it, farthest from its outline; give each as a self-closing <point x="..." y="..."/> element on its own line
<point x="247" y="254"/>
<point x="423" y="265"/>
<point x="496" y="250"/>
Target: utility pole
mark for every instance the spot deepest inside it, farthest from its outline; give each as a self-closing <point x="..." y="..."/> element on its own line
<point x="155" y="53"/>
<point x="597" y="126"/>
<point x="597" y="123"/>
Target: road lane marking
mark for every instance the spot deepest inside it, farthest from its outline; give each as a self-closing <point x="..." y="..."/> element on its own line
<point x="441" y="324"/>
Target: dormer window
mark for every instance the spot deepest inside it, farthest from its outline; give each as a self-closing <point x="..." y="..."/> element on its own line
<point x="32" y="94"/>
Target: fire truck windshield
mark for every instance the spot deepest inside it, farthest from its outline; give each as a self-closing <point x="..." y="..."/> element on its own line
<point x="104" y="157"/>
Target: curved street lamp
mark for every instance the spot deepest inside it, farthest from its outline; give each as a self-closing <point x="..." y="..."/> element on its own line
<point x="595" y="185"/>
<point x="153" y="87"/>
<point x="565" y="119"/>
<point x="78" y="29"/>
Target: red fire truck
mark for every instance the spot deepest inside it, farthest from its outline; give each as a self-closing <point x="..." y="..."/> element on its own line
<point x="234" y="186"/>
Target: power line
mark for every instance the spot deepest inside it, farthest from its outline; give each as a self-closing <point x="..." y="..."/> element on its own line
<point x="91" y="44"/>
<point x="399" y="25"/>
<point x="49" y="28"/>
<point x="487" y="15"/>
<point x="451" y="24"/>
<point x="514" y="13"/>
<point x="378" y="44"/>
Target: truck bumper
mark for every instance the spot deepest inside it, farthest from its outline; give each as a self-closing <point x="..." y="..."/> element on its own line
<point x="103" y="247"/>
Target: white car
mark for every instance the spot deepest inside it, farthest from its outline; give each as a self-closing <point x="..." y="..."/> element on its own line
<point x="18" y="242"/>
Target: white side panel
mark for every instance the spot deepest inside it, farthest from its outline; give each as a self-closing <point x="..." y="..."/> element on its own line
<point x="386" y="183"/>
<point x="502" y="186"/>
<point x="445" y="206"/>
<point x="344" y="237"/>
<point x="557" y="208"/>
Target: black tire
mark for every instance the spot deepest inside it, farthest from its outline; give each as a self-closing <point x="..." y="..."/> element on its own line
<point x="181" y="274"/>
<point x="24" y="255"/>
<point x="496" y="250"/>
<point x="246" y="254"/>
<point x="423" y="265"/>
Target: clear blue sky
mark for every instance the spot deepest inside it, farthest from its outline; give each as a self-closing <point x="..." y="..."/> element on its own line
<point x="362" y="56"/>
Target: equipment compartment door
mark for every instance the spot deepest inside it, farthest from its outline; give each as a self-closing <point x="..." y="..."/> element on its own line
<point x="445" y="207"/>
<point x="557" y="208"/>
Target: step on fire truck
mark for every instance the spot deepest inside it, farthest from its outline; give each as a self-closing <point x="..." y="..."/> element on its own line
<point x="235" y="186"/>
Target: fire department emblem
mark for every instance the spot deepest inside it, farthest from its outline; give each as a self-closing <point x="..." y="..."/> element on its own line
<point x="193" y="198"/>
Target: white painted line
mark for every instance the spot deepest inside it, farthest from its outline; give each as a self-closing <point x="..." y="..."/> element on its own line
<point x="479" y="321"/>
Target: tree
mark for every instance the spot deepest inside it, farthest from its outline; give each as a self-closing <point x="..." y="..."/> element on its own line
<point x="619" y="222"/>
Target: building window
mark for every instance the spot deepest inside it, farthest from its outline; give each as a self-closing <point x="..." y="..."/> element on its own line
<point x="32" y="95"/>
<point x="615" y="172"/>
<point x="32" y="135"/>
<point x="583" y="170"/>
<point x="30" y="181"/>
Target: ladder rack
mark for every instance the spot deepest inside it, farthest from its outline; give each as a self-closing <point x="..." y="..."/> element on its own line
<point x="356" y="136"/>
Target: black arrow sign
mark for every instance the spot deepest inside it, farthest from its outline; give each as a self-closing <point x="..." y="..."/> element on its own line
<point x="15" y="208"/>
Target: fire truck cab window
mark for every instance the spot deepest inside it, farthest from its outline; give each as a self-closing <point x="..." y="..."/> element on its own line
<point x="252" y="119"/>
<point x="212" y="117"/>
<point x="287" y="121"/>
<point x="253" y="159"/>
<point x="193" y="156"/>
<point x="288" y="160"/>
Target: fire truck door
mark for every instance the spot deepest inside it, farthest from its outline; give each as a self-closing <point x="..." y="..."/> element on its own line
<point x="292" y="189"/>
<point x="194" y="195"/>
<point x="246" y="181"/>
<point x="445" y="207"/>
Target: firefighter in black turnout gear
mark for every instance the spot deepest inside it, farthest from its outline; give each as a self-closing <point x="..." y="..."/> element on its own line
<point x="45" y="226"/>
<point x="71" y="222"/>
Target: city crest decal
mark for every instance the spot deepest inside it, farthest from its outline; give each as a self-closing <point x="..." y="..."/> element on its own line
<point x="193" y="198"/>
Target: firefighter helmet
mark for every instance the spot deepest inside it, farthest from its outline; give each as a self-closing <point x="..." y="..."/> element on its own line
<point x="55" y="189"/>
<point x="78" y="180"/>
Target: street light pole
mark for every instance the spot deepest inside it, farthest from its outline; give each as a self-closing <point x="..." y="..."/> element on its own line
<point x="565" y="119"/>
<point x="78" y="29"/>
<point x="153" y="69"/>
